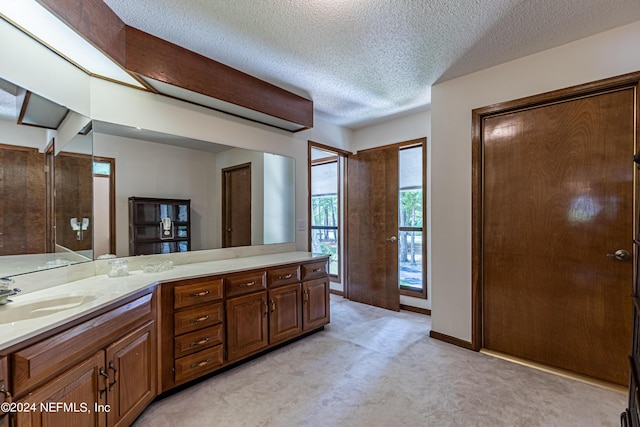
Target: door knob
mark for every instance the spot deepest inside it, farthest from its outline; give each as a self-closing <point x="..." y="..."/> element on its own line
<point x="620" y="255"/>
<point x="392" y="239"/>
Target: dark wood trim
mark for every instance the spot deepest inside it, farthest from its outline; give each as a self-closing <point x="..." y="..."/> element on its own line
<point x="158" y="59"/>
<point x="336" y="292"/>
<point x="144" y="55"/>
<point x="451" y="340"/>
<point x="50" y="213"/>
<point x="413" y="309"/>
<point x="18" y="148"/>
<point x="341" y="200"/>
<point x="112" y="200"/>
<point x="338" y="151"/>
<point x="403" y="144"/>
<point x="477" y="117"/>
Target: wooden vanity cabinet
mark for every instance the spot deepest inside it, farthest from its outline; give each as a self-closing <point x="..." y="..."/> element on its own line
<point x="212" y="322"/>
<point x="315" y="295"/>
<point x="192" y="329"/>
<point x="5" y="394"/>
<point x="101" y="372"/>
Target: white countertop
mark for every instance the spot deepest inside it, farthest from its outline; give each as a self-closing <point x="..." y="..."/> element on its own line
<point x="37" y="312"/>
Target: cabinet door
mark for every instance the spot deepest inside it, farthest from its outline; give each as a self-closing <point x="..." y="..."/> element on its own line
<point x="4" y="389"/>
<point x="71" y="399"/>
<point x="315" y="303"/>
<point x="132" y="370"/>
<point x="286" y="312"/>
<point x="246" y="324"/>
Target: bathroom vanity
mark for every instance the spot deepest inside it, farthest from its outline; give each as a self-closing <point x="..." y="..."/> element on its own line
<point x="126" y="340"/>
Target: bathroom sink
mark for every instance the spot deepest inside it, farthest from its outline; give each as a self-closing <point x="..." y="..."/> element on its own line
<point x="13" y="313"/>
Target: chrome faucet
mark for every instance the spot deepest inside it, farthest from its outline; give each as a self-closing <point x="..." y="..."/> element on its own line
<point x="7" y="289"/>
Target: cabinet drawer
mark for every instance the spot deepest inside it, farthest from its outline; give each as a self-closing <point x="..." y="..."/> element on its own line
<point x="197" y="318"/>
<point x="198" y="340"/>
<point x="283" y="276"/>
<point x="244" y="283"/>
<point x="313" y="270"/>
<point x="196" y="293"/>
<point x="198" y="364"/>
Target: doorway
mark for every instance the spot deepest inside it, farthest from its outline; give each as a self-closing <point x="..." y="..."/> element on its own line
<point x="236" y="206"/>
<point x="553" y="209"/>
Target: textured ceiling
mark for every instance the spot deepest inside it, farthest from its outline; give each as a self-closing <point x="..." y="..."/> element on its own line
<point x="362" y="61"/>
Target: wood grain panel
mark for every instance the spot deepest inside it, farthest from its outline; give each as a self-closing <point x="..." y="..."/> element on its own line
<point x="161" y="60"/>
<point x="22" y="211"/>
<point x="203" y="290"/>
<point x="73" y="199"/>
<point x="285" y="306"/>
<point x="81" y="384"/>
<point x="558" y="196"/>
<point x="372" y="218"/>
<point x="95" y="21"/>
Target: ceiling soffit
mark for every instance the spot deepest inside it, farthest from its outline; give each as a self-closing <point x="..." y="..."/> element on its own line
<point x="151" y="59"/>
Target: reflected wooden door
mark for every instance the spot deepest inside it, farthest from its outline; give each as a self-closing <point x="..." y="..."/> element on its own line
<point x="558" y="202"/>
<point x="236" y="206"/>
<point x="372" y="226"/>
<point x="22" y="211"/>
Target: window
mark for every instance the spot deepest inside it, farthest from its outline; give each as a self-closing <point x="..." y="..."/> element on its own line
<point x="325" y="207"/>
<point x="411" y="236"/>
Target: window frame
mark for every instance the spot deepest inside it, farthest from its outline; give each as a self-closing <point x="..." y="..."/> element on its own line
<point x="404" y="290"/>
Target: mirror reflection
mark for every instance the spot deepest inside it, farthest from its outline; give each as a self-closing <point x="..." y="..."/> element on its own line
<point x="67" y="201"/>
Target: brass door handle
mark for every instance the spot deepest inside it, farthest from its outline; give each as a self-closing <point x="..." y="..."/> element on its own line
<point x="620" y="255"/>
<point x="392" y="239"/>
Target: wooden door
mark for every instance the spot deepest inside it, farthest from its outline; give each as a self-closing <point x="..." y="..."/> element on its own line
<point x="286" y="312"/>
<point x="558" y="202"/>
<point x="236" y="206"/>
<point x="132" y="370"/>
<point x="372" y="227"/>
<point x="74" y="396"/>
<point x="247" y="325"/>
<point x="22" y="191"/>
<point x="73" y="199"/>
<point x="315" y="303"/>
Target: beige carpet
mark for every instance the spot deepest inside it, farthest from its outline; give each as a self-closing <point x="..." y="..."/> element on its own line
<point x="373" y="367"/>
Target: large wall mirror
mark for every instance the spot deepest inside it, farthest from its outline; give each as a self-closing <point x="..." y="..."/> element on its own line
<point x="82" y="212"/>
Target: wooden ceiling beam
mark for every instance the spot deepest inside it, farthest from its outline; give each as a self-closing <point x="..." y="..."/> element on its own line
<point x="143" y="54"/>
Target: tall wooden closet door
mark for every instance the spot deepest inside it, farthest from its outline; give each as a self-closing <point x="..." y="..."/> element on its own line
<point x="557" y="233"/>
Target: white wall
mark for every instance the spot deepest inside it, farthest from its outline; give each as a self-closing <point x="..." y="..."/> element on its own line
<point x="604" y="55"/>
<point x="279" y="219"/>
<point x="147" y="169"/>
<point x="26" y="136"/>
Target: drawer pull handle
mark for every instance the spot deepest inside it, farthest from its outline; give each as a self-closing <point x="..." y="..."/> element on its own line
<point x="200" y="294"/>
<point x="115" y="372"/>
<point x="106" y="381"/>
<point x="7" y="395"/>
<point x="201" y="364"/>
<point x="201" y="342"/>
<point x="288" y="276"/>
<point x="200" y="319"/>
<point x="316" y="270"/>
<point x="246" y="285"/>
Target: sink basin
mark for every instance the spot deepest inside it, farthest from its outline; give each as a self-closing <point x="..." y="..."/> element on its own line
<point x="13" y="313"/>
